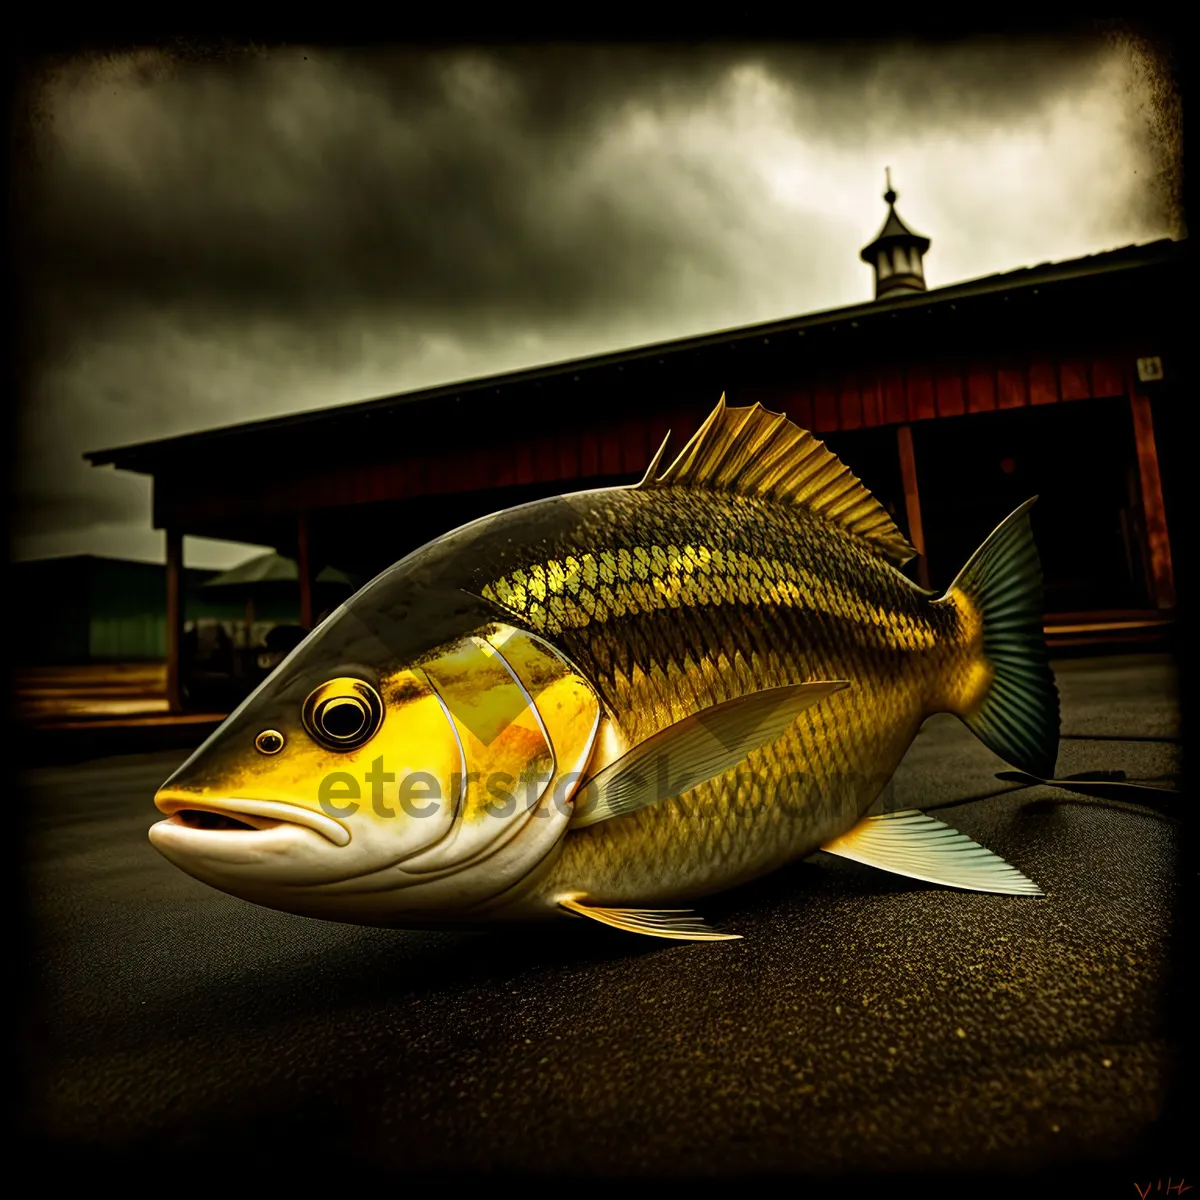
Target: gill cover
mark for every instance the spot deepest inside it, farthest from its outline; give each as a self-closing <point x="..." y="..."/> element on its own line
<point x="524" y="725"/>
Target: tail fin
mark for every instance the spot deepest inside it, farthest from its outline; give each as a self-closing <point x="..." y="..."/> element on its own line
<point x="1019" y="715"/>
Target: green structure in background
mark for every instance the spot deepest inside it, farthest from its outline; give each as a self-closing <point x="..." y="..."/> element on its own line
<point x="86" y="608"/>
<point x="265" y="590"/>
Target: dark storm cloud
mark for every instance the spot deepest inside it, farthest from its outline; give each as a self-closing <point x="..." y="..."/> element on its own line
<point x="208" y="242"/>
<point x="312" y="183"/>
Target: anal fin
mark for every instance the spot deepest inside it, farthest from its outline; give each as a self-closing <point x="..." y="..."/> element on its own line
<point x="913" y="844"/>
<point x="679" y="923"/>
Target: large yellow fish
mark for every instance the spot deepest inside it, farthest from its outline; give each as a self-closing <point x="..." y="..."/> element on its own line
<point x="610" y="703"/>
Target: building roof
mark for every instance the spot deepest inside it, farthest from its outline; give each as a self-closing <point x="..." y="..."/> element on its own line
<point x="87" y="566"/>
<point x="271" y="568"/>
<point x="144" y="456"/>
<point x="80" y="559"/>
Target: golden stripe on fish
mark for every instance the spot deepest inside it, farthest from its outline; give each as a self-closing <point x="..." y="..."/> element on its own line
<point x="587" y="588"/>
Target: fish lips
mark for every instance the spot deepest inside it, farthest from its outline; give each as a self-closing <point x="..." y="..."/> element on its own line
<point x="235" y="839"/>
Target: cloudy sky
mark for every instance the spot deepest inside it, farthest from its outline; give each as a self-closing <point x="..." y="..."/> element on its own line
<point x="211" y="242"/>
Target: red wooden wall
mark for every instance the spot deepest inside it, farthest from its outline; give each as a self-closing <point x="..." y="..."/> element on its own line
<point x="624" y="443"/>
<point x="922" y="392"/>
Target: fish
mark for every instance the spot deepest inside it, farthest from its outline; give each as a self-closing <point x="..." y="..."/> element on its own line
<point x="611" y="704"/>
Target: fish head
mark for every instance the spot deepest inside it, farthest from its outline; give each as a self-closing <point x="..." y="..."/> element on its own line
<point x="371" y="779"/>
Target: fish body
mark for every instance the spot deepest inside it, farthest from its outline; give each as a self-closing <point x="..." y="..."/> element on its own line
<point x="714" y="596"/>
<point x="630" y="696"/>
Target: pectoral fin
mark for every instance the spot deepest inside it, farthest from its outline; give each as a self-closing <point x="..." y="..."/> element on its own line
<point x="913" y="844"/>
<point x="678" y="923"/>
<point x="694" y="750"/>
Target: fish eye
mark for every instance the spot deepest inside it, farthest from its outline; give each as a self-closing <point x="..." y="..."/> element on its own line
<point x="343" y="713"/>
<point x="270" y="741"/>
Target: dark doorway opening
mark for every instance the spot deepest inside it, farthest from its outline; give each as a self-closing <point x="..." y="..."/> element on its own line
<point x="873" y="455"/>
<point x="1079" y="459"/>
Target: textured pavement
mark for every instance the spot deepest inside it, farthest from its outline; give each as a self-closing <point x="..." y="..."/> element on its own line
<point x="866" y="1023"/>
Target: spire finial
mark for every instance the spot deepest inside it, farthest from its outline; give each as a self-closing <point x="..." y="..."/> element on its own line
<point x="897" y="253"/>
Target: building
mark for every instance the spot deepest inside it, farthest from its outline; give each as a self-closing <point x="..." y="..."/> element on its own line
<point x="953" y="405"/>
<point x="86" y="608"/>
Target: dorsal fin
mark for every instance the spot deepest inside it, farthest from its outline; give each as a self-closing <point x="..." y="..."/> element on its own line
<point x="761" y="453"/>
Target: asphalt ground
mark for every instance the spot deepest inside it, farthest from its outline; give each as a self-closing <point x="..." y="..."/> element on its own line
<point x="866" y="1024"/>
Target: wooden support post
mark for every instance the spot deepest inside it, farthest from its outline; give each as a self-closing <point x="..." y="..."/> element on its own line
<point x="304" y="568"/>
<point x="1154" y="509"/>
<point x="175" y="601"/>
<point x="912" y="500"/>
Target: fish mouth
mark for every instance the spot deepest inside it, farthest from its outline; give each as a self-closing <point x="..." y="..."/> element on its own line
<point x="236" y="817"/>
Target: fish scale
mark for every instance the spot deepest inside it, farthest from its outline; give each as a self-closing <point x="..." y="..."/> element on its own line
<point x="865" y="625"/>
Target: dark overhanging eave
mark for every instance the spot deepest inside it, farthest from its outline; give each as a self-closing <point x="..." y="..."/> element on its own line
<point x="143" y="457"/>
